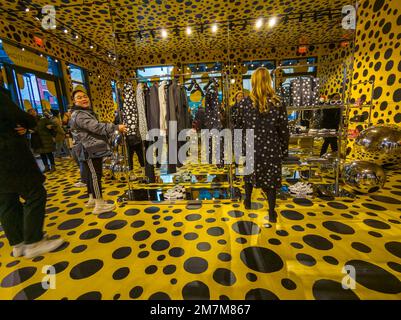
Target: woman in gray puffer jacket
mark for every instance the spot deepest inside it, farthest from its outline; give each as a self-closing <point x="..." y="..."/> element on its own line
<point x="91" y="145"/>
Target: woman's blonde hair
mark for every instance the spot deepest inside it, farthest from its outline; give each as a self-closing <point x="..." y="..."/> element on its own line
<point x="262" y="90"/>
<point x="236" y="95"/>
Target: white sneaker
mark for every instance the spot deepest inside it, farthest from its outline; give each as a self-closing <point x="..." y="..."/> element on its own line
<point x="91" y="202"/>
<point x="102" y="206"/>
<point x="79" y="185"/>
<point x="41" y="247"/>
<point x="18" y="250"/>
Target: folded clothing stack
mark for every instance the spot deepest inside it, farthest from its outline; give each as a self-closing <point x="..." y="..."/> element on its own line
<point x="178" y="192"/>
<point x="301" y="189"/>
<point x="313" y="132"/>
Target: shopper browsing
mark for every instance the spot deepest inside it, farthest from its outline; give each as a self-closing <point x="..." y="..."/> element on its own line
<point x="91" y="138"/>
<point x="42" y="139"/>
<point x="267" y="116"/>
<point x="331" y="120"/>
<point x="61" y="148"/>
<point x="20" y="177"/>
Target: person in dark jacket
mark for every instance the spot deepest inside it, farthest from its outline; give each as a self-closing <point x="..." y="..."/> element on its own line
<point x="331" y="120"/>
<point x="42" y="140"/>
<point x="267" y="116"/>
<point x="91" y="137"/>
<point x="20" y="176"/>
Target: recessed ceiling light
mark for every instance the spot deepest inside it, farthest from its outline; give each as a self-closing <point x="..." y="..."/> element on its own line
<point x="164" y="33"/>
<point x="214" y="28"/>
<point x="272" y="22"/>
<point x="189" y="30"/>
<point x="259" y="23"/>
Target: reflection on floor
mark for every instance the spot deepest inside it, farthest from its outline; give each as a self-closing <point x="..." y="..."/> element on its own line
<point x="214" y="250"/>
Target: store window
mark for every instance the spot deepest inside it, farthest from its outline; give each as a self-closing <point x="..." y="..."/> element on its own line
<point x="34" y="80"/>
<point x="34" y="92"/>
<point x="148" y="72"/>
<point x="251" y="66"/>
<point x="78" y="76"/>
<point x="200" y="69"/>
<point x="114" y="90"/>
<point x="290" y="73"/>
<point x="201" y="74"/>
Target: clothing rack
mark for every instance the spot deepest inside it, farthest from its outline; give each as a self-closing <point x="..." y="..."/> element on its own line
<point x="225" y="89"/>
<point x="344" y="105"/>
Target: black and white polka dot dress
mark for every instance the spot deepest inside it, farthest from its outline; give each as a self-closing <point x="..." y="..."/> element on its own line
<point x="271" y="138"/>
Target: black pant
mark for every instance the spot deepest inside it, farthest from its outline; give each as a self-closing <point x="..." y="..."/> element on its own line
<point x="135" y="148"/>
<point x="332" y="141"/>
<point x="47" y="159"/>
<point x="270" y="193"/>
<point x="23" y="222"/>
<point x="93" y="171"/>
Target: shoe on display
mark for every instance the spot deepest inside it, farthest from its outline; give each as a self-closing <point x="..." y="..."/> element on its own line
<point x="132" y="177"/>
<point x="177" y="192"/>
<point x="18" y="250"/>
<point x="79" y="185"/>
<point x="172" y="195"/>
<point x="301" y="189"/>
<point x="186" y="177"/>
<point x="41" y="247"/>
<point x="91" y="202"/>
<point x="102" y="206"/>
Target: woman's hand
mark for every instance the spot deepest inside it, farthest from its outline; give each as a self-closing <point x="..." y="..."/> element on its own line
<point x="122" y="128"/>
<point x="20" y="130"/>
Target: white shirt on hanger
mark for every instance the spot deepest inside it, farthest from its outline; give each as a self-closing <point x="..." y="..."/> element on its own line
<point x="163" y="108"/>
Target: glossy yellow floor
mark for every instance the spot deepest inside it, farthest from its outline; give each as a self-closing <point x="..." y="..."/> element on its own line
<point x="212" y="251"/>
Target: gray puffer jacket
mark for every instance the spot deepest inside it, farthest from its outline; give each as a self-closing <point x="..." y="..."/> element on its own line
<point x="91" y="137"/>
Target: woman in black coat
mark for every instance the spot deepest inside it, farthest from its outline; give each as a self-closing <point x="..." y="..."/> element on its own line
<point x="267" y="116"/>
<point x="42" y="140"/>
<point x="331" y="120"/>
<point x="20" y="177"/>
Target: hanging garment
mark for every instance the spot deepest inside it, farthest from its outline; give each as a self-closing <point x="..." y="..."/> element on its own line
<point x="142" y="122"/>
<point x="200" y="119"/>
<point x="146" y="92"/>
<point x="163" y="107"/>
<point x="185" y="112"/>
<point x="174" y="100"/>
<point x="212" y="110"/>
<point x="304" y="92"/>
<point x="130" y="110"/>
<point x="154" y="108"/>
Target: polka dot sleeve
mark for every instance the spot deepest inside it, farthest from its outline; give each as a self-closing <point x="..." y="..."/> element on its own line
<point x="283" y="130"/>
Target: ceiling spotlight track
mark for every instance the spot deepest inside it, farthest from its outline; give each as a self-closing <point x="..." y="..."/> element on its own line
<point x="213" y="27"/>
<point x="201" y="27"/>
